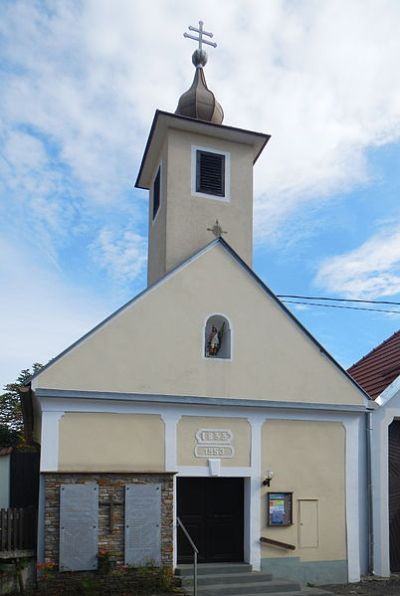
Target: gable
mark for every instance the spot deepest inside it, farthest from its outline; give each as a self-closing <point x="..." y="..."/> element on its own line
<point x="155" y="345"/>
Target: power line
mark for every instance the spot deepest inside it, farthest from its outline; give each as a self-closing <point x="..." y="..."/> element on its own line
<point x="397" y="312"/>
<point x="338" y="299"/>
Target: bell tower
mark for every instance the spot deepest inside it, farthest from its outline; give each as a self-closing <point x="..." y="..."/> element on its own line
<point x="200" y="176"/>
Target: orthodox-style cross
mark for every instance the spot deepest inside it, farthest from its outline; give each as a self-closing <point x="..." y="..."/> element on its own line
<point x="200" y="38"/>
<point x="217" y="229"/>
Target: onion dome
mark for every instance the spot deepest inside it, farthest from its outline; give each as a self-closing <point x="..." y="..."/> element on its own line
<point x="199" y="102"/>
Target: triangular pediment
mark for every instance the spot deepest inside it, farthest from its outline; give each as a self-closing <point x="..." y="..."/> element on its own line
<point x="156" y="343"/>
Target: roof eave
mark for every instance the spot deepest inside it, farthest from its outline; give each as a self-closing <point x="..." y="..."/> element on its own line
<point x="389" y="393"/>
<point x="164" y="120"/>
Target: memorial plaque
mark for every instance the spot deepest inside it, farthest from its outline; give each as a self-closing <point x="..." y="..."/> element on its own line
<point x="143" y="524"/>
<point x="79" y="513"/>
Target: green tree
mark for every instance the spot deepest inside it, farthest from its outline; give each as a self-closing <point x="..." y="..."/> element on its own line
<point x="11" y="421"/>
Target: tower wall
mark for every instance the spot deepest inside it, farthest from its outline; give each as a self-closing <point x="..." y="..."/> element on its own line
<point x="180" y="226"/>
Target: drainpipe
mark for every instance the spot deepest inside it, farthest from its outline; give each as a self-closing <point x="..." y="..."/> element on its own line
<point x="369" y="494"/>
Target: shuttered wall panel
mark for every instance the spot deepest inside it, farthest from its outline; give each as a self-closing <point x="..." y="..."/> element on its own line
<point x="79" y="513"/>
<point x="210" y="173"/>
<point x="143" y="524"/>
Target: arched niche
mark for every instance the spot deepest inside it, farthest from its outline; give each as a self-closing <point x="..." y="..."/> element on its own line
<point x="217" y="337"/>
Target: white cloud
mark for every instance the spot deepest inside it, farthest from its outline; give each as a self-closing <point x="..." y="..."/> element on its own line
<point x="320" y="76"/>
<point x="40" y="312"/>
<point x="123" y="254"/>
<point x="370" y="271"/>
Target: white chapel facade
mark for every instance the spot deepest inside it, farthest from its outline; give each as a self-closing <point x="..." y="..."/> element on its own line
<point x="202" y="398"/>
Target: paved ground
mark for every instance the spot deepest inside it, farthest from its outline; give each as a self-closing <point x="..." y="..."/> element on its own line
<point x="371" y="586"/>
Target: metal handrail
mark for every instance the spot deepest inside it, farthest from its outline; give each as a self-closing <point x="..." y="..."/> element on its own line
<point x="195" y="553"/>
<point x="277" y="543"/>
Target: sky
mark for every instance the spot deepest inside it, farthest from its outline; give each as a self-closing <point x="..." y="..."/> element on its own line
<point x="79" y="84"/>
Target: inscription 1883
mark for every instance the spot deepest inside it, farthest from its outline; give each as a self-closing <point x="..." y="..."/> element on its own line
<point x="214" y="442"/>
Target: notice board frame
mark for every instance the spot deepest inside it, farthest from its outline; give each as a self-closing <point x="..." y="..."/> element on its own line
<point x="279" y="509"/>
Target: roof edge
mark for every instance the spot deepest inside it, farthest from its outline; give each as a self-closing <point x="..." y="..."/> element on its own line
<point x="182" y="265"/>
<point x="121" y="309"/>
<point x="57" y="394"/>
<point x="389" y="392"/>
<point x="295" y="319"/>
<point x="385" y="341"/>
<point x="178" y="117"/>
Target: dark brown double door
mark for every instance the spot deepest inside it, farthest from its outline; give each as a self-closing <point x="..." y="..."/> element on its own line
<point x="212" y="511"/>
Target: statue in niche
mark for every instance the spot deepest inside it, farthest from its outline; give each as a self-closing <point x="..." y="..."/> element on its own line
<point x="214" y="341"/>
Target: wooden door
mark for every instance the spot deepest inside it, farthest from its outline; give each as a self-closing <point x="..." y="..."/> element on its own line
<point x="212" y="511"/>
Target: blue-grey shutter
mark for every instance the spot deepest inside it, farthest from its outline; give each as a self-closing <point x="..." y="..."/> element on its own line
<point x="79" y="514"/>
<point x="142" y="524"/>
<point x="210" y="173"/>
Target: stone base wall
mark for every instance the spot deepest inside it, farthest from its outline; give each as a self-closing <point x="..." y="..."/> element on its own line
<point x="134" y="581"/>
<point x="110" y="485"/>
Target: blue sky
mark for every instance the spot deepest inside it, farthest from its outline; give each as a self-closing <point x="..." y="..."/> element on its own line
<point x="79" y="84"/>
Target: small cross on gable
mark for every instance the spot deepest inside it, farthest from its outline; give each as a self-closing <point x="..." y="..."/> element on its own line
<point x="217" y="229"/>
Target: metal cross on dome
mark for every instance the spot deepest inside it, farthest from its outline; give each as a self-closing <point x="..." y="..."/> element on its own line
<point x="200" y="38"/>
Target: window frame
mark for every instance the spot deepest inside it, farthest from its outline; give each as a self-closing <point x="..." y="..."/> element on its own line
<point x="227" y="173"/>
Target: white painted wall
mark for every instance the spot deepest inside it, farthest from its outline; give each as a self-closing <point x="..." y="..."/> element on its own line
<point x="381" y="420"/>
<point x="253" y="474"/>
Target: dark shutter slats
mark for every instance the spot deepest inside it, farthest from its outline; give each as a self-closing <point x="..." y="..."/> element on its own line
<point x="156" y="193"/>
<point x="210" y="173"/>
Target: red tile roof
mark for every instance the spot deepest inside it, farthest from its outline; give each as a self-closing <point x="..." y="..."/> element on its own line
<point x="379" y="368"/>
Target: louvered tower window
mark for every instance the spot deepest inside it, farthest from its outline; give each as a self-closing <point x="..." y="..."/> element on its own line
<point x="156" y="194"/>
<point x="210" y="173"/>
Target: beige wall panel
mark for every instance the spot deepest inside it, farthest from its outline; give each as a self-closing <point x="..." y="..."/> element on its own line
<point x="241" y="441"/>
<point x="156" y="344"/>
<point x="308" y="459"/>
<point x="111" y="442"/>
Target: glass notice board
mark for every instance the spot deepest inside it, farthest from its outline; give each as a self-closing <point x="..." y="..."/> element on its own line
<point x="279" y="509"/>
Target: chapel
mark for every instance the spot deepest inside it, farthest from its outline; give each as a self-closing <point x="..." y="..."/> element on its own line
<point x="202" y="403"/>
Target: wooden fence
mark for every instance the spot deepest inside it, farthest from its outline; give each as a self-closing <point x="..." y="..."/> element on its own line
<point x="17" y="529"/>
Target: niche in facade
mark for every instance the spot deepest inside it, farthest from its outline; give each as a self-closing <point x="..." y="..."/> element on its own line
<point x="217" y="337"/>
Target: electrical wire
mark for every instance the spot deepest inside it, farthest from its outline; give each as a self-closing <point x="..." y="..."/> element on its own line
<point x="342" y="306"/>
<point x="338" y="299"/>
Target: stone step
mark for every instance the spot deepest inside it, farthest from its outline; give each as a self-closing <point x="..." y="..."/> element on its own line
<point x="227" y="578"/>
<point x="238" y="579"/>
<point x="303" y="592"/>
<point x="213" y="568"/>
<point x="275" y="586"/>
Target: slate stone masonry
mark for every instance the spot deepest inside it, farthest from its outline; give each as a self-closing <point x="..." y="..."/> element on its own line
<point x="111" y="527"/>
